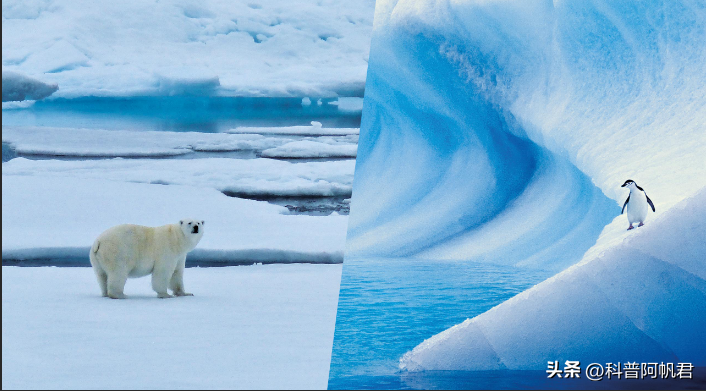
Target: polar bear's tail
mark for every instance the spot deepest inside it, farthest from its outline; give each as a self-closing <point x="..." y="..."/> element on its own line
<point x="94" y="251"/>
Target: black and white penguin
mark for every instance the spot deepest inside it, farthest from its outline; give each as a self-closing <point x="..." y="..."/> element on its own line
<point x="637" y="204"/>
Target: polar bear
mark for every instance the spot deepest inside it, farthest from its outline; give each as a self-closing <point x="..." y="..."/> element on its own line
<point x="129" y="250"/>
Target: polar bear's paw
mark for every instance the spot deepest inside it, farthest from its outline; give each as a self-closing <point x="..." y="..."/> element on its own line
<point x="117" y="296"/>
<point x="164" y="295"/>
<point x="183" y="294"/>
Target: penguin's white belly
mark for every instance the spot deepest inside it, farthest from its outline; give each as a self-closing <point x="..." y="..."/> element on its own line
<point x="637" y="208"/>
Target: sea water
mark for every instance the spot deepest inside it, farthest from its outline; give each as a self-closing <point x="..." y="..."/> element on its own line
<point x="388" y="306"/>
<point x="178" y="113"/>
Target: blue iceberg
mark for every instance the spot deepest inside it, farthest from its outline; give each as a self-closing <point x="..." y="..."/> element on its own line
<point x="500" y="132"/>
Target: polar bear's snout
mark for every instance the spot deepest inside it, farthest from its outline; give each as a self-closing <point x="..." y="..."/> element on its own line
<point x="193" y="226"/>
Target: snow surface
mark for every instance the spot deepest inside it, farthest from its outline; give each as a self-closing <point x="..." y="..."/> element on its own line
<point x="512" y="127"/>
<point x="18" y="87"/>
<point x="643" y="299"/>
<point x="59" y="216"/>
<point x="261" y="326"/>
<point x="49" y="141"/>
<point x="314" y="129"/>
<point x="215" y="47"/>
<point x="311" y="149"/>
<point x="251" y="177"/>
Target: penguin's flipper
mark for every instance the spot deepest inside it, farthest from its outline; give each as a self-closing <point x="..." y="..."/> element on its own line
<point x="625" y="204"/>
<point x="649" y="201"/>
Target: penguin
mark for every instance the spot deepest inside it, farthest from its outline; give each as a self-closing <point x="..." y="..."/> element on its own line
<point x="637" y="204"/>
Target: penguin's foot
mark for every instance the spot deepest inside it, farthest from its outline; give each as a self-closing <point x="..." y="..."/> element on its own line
<point x="641" y="224"/>
<point x="630" y="227"/>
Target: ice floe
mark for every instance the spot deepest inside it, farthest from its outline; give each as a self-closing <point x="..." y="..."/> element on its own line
<point x="234" y="48"/>
<point x="315" y="129"/>
<point x="244" y="177"/>
<point x="58" y="216"/>
<point x="311" y="149"/>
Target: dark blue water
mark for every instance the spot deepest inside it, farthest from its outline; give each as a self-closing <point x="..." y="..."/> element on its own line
<point x="388" y="306"/>
<point x="178" y="113"/>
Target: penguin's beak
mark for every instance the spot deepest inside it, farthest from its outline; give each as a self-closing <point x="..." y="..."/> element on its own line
<point x="624" y="184"/>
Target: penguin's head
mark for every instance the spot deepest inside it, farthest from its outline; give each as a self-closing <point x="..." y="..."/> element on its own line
<point x="629" y="183"/>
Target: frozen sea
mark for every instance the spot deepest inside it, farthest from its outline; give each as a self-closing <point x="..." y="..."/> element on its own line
<point x="265" y="276"/>
<point x="244" y="114"/>
<point x="74" y="167"/>
<point x="285" y="163"/>
<point x="243" y="325"/>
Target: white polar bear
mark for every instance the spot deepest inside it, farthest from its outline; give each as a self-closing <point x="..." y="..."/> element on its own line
<point x="129" y="250"/>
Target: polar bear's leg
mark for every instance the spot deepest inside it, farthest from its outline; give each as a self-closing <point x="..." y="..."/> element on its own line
<point x="100" y="273"/>
<point x="116" y="285"/>
<point x="161" y="276"/>
<point x="177" y="282"/>
<point x="102" y="281"/>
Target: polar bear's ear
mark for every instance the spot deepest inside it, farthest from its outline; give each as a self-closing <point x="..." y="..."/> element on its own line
<point x="181" y="222"/>
<point x="203" y="222"/>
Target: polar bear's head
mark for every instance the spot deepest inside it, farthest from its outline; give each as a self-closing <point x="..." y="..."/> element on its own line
<point x="192" y="229"/>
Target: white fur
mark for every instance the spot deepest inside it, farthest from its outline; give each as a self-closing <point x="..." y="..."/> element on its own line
<point x="637" y="207"/>
<point x="131" y="251"/>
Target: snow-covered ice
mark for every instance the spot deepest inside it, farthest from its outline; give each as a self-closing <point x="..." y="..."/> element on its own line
<point x="247" y="177"/>
<point x="311" y="149"/>
<point x="80" y="142"/>
<point x="315" y="129"/>
<point x="247" y="327"/>
<point x="216" y="47"/>
<point x="55" y="216"/>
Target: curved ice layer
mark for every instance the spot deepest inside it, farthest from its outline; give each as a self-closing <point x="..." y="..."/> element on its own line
<point x="488" y="124"/>
<point x="444" y="171"/>
<point x="500" y="131"/>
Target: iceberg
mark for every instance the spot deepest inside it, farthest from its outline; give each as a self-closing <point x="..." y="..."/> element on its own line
<point x="501" y="132"/>
<point x="642" y="300"/>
